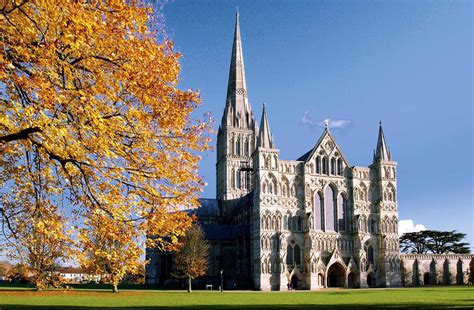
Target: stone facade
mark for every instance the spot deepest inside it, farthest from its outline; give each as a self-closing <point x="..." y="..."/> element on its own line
<point x="312" y="222"/>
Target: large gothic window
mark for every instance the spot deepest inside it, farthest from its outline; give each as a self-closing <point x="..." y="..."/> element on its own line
<point x="318" y="211"/>
<point x="339" y="167"/>
<point x="329" y="206"/>
<point x="237" y="147"/>
<point x="289" y="254"/>
<point x="237" y="179"/>
<point x="341" y="209"/>
<point x="325" y="165"/>
<point x="370" y="254"/>
<point x="297" y="254"/>
<point x="293" y="254"/>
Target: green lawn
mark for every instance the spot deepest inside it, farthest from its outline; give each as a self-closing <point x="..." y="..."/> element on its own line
<point x="460" y="297"/>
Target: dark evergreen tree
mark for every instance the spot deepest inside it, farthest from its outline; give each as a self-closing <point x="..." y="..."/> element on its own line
<point x="434" y="241"/>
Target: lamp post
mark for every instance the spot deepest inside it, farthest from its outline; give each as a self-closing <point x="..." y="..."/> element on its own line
<point x="222" y="280"/>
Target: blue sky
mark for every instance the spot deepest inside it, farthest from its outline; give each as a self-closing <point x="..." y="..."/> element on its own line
<point x="406" y="63"/>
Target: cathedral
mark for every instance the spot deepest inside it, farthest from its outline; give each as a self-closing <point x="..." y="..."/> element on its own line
<point x="304" y="223"/>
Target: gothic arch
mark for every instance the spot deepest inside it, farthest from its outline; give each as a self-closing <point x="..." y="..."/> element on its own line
<point x="330" y="192"/>
<point x="285" y="186"/>
<point x="459" y="272"/>
<point x="369" y="252"/>
<point x="278" y="221"/>
<point x="318" y="164"/>
<point x="389" y="193"/>
<point x="394" y="224"/>
<point x="447" y="272"/>
<point x="293" y="190"/>
<point x="274" y="162"/>
<point x="333" y="166"/>
<point x="325" y="165"/>
<point x="336" y="275"/>
<point x="363" y="192"/>
<point x="340" y="166"/>
<point x="269" y="182"/>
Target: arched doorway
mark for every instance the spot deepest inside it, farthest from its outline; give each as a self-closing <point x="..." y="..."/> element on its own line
<point x="294" y="282"/>
<point x="351" y="280"/>
<point x="321" y="280"/>
<point x="336" y="275"/>
<point x="371" y="280"/>
<point x="427" y="278"/>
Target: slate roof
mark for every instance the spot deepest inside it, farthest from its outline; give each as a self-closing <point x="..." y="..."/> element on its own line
<point x="305" y="155"/>
<point x="208" y="208"/>
<point x="222" y="232"/>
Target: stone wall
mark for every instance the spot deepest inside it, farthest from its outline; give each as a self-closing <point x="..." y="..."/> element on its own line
<point x="436" y="269"/>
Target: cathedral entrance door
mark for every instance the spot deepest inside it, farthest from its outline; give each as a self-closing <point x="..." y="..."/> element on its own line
<point x="336" y="275"/>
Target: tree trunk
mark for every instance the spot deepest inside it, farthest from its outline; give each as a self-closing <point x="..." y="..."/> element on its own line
<point x="189" y="286"/>
<point x="115" y="288"/>
<point x="38" y="285"/>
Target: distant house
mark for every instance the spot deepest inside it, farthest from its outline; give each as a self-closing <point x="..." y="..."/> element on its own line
<point x="73" y="274"/>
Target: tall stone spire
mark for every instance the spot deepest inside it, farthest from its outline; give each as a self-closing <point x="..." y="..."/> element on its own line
<point x="381" y="152"/>
<point x="237" y="88"/>
<point x="265" y="138"/>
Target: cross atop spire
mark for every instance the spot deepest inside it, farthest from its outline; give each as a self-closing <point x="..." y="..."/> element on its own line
<point x="237" y="88"/>
<point x="381" y="152"/>
<point x="265" y="139"/>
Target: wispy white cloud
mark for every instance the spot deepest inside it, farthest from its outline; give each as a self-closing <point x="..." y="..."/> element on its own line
<point x="405" y="226"/>
<point x="331" y="123"/>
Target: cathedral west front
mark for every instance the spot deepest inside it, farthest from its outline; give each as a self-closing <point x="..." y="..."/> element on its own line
<point x="309" y="223"/>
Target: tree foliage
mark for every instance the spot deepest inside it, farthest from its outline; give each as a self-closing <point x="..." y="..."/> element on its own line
<point x="4" y="268"/>
<point x="18" y="273"/>
<point x="190" y="261"/>
<point x="92" y="122"/>
<point x="433" y="241"/>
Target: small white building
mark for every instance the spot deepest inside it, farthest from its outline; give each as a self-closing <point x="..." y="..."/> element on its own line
<point x="73" y="274"/>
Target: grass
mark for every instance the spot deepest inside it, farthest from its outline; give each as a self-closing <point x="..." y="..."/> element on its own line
<point x="459" y="297"/>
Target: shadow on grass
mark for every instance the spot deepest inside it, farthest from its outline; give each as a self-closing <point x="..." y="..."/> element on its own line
<point x="257" y="307"/>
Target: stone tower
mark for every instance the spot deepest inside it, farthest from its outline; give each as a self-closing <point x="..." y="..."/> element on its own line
<point x="237" y="134"/>
<point x="384" y="198"/>
<point x="265" y="265"/>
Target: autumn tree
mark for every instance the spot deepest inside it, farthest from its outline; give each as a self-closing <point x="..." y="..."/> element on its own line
<point x="89" y="89"/>
<point x="18" y="273"/>
<point x="4" y="268"/>
<point x="37" y="234"/>
<point x="433" y="241"/>
<point x="190" y="261"/>
<point x="109" y="248"/>
<point x="114" y="248"/>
